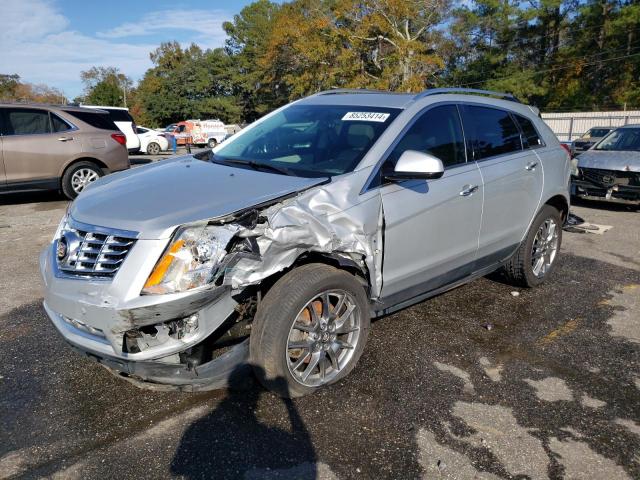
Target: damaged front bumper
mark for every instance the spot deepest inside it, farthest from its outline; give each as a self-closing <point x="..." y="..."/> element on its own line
<point x="149" y="338"/>
<point x="607" y="185"/>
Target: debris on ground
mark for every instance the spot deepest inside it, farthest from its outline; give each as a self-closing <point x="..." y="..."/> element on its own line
<point x="515" y="294"/>
<point x="576" y="224"/>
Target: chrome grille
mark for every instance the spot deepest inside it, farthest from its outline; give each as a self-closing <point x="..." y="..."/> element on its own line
<point x="92" y="251"/>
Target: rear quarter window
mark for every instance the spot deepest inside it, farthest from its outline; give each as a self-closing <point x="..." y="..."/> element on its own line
<point x="530" y="137"/>
<point x="95" y="119"/>
<point x="491" y="131"/>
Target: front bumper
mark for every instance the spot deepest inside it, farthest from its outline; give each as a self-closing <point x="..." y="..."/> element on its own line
<point x="97" y="317"/>
<point x="625" y="194"/>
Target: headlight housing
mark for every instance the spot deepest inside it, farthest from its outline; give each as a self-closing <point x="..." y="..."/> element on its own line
<point x="190" y="261"/>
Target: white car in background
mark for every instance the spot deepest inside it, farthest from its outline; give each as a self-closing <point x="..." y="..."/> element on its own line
<point x="125" y="122"/>
<point x="151" y="141"/>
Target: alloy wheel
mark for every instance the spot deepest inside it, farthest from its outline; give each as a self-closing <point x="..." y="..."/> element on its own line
<point x="544" y="248"/>
<point x="83" y="177"/>
<point x="323" y="338"/>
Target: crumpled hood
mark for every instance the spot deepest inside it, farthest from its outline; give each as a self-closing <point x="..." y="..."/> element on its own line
<point x="610" y="160"/>
<point x="155" y="198"/>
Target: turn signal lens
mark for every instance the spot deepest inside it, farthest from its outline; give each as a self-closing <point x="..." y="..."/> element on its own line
<point x="163" y="265"/>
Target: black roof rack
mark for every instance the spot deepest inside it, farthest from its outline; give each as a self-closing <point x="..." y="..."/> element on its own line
<point x="468" y="91"/>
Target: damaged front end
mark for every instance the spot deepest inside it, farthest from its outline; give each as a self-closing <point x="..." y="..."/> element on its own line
<point x="178" y="313"/>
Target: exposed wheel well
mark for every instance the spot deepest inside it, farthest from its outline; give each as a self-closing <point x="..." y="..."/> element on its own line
<point x="561" y="203"/>
<point x="360" y="272"/>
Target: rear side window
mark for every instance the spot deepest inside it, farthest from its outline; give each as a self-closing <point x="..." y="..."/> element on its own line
<point x="26" y="121"/>
<point x="490" y="131"/>
<point x="530" y="137"/>
<point x="58" y="124"/>
<point x="437" y="132"/>
<point x="118" y="115"/>
<point x="95" y="119"/>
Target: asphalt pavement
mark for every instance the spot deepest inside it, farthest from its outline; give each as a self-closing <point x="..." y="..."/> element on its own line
<point x="486" y="381"/>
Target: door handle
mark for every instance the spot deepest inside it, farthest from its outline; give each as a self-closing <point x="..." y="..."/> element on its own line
<point x="468" y="190"/>
<point x="65" y="139"/>
<point x="531" y="166"/>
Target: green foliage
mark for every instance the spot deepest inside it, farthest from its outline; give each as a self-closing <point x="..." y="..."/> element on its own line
<point x="105" y="86"/>
<point x="556" y="54"/>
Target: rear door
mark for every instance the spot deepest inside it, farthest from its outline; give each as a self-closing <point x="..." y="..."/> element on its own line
<point x="431" y="226"/>
<point x="35" y="146"/>
<point x="512" y="177"/>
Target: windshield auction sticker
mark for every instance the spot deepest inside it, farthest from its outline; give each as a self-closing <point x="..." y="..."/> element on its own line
<point x="366" y="116"/>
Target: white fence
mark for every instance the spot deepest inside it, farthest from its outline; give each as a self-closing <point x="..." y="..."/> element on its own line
<point x="569" y="126"/>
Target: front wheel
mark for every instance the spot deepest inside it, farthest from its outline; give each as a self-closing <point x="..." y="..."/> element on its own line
<point x="212" y="142"/>
<point x="310" y="330"/>
<point x="536" y="257"/>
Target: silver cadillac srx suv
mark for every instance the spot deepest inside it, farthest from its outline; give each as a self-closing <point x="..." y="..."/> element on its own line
<point x="276" y="250"/>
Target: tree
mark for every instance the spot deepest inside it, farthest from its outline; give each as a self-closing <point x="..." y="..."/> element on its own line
<point x="8" y="85"/>
<point x="187" y="83"/>
<point x="105" y="86"/>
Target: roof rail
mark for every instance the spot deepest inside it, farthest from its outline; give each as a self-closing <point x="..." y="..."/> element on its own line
<point x="336" y="91"/>
<point x="470" y="91"/>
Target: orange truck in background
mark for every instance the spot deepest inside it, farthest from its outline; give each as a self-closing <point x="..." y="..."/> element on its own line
<point x="199" y="132"/>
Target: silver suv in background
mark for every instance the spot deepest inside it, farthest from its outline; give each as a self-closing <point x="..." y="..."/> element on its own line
<point x="125" y="122"/>
<point x="278" y="248"/>
<point x="48" y="147"/>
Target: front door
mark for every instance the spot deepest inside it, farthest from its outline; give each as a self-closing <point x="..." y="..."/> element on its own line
<point x="431" y="226"/>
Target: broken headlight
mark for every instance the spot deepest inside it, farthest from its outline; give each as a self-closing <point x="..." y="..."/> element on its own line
<point x="190" y="261"/>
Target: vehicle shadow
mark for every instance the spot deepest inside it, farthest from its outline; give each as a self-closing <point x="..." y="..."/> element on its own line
<point x="20" y="198"/>
<point x="233" y="442"/>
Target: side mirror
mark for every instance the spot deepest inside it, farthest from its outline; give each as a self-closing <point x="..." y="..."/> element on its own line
<point x="413" y="164"/>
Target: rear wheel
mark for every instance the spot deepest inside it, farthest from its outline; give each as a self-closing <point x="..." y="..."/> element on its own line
<point x="78" y="176"/>
<point x="212" y="142"/>
<point x="153" y="148"/>
<point x="536" y="257"/>
<point x="310" y="330"/>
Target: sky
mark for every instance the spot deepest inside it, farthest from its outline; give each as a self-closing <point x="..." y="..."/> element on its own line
<point x="52" y="41"/>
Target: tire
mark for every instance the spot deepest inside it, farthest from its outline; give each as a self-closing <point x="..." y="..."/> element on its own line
<point x="289" y="302"/>
<point x="212" y="142"/>
<point x="520" y="269"/>
<point x="72" y="183"/>
<point x="153" y="148"/>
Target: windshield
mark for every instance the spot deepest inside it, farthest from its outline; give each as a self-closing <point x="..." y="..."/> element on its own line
<point x="310" y="140"/>
<point x="598" y="132"/>
<point x="621" y="139"/>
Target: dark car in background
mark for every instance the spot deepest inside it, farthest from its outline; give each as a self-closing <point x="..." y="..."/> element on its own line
<point x="47" y="147"/>
<point x="589" y="139"/>
<point x="610" y="170"/>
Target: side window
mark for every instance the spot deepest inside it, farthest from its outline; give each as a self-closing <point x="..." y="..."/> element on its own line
<point x="437" y="132"/>
<point x="490" y="131"/>
<point x="26" y="121"/>
<point x="530" y="137"/>
<point x="58" y="124"/>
